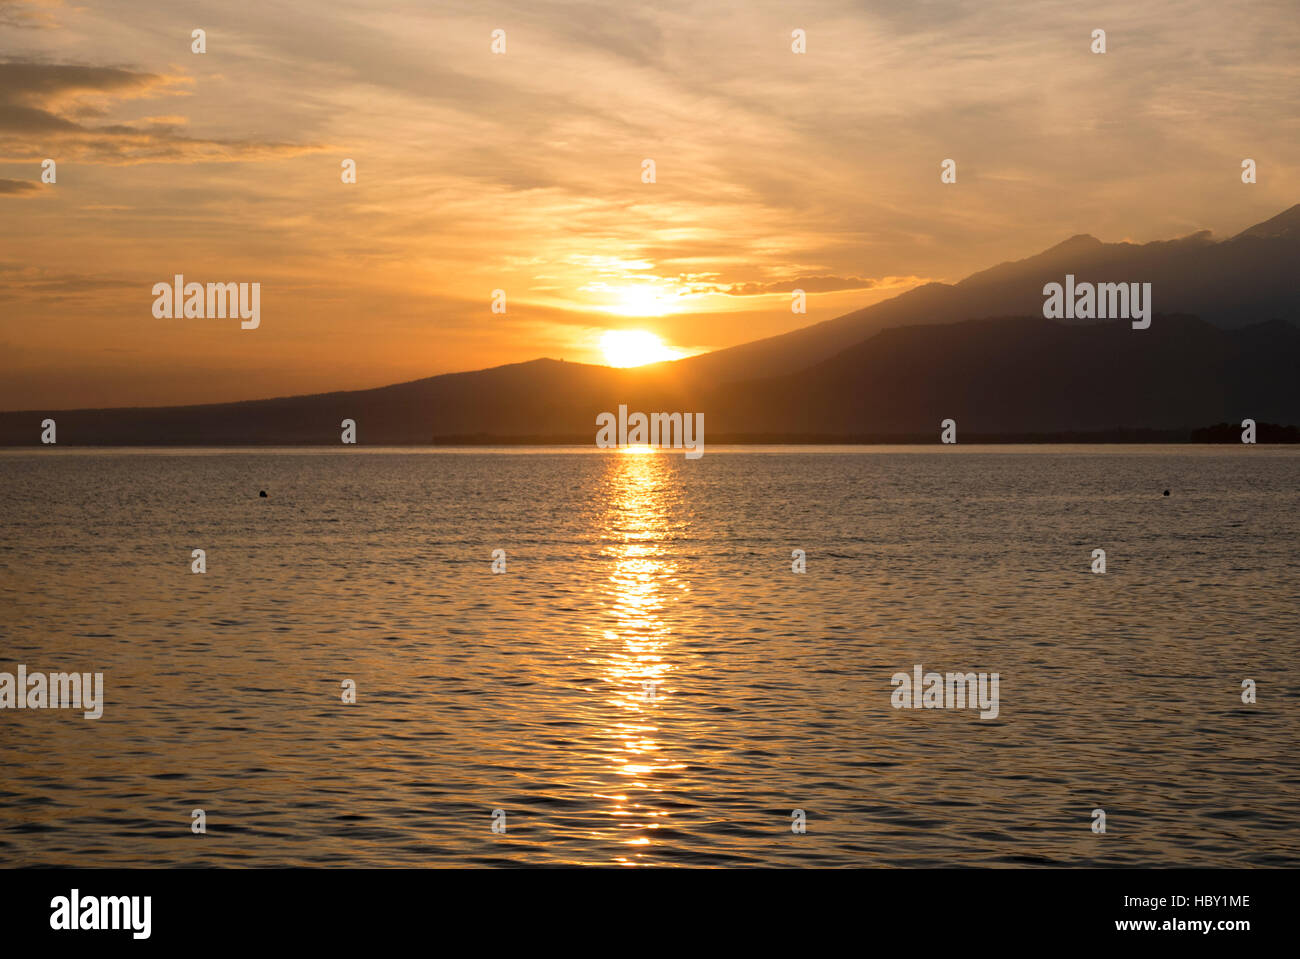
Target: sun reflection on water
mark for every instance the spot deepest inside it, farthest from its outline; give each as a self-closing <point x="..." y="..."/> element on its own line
<point x="638" y="669"/>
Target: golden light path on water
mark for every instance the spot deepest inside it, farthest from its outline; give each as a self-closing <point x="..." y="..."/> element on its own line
<point x="639" y="638"/>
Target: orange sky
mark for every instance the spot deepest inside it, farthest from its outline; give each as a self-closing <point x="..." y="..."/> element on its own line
<point x="522" y="171"/>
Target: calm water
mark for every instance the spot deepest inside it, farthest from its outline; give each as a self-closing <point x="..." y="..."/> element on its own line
<point x="524" y="691"/>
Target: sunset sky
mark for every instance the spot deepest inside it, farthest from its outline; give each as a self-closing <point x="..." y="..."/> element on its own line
<point x="522" y="171"/>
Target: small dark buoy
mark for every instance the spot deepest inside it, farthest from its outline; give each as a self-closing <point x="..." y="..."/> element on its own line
<point x="1166" y="493"/>
<point x="263" y="493"/>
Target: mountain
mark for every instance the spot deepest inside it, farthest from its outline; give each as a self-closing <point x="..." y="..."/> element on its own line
<point x="1230" y="283"/>
<point x="1221" y="347"/>
<point x="1011" y="375"/>
<point x="1022" y="375"/>
<point x="534" y="399"/>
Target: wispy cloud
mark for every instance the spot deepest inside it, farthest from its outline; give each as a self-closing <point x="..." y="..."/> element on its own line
<point x="29" y="14"/>
<point x="43" y="105"/>
<point x="823" y="284"/>
<point x="24" y="188"/>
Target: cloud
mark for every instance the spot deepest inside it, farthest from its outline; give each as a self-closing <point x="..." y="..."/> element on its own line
<point x="49" y="102"/>
<point x="821" y="284"/>
<point x="18" y="188"/>
<point x="55" y="83"/>
<point x="32" y="14"/>
<point x="21" y="281"/>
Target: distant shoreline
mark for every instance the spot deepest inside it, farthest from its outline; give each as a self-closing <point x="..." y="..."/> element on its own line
<point x="1222" y="435"/>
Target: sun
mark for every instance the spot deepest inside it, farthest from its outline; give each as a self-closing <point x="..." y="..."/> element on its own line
<point x="638" y="299"/>
<point x="634" y="348"/>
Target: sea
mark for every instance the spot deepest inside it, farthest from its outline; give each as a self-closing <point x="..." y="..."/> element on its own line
<point x="552" y="656"/>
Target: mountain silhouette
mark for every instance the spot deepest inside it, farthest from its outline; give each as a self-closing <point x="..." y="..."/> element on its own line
<point x="1222" y="346"/>
<point x="1031" y="375"/>
<point x="1231" y="283"/>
